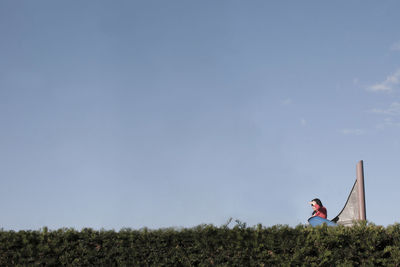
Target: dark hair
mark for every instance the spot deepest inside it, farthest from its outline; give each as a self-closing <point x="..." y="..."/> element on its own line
<point x="319" y="203"/>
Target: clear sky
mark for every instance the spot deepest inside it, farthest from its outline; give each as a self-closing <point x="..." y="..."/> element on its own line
<point x="177" y="113"/>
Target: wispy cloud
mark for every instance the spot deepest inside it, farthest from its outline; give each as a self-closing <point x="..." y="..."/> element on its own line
<point x="388" y="84"/>
<point x="388" y="122"/>
<point x="352" y="131"/>
<point x="393" y="110"/>
<point x="391" y="113"/>
<point x="303" y="122"/>
<point x="395" y="46"/>
<point x="287" y="102"/>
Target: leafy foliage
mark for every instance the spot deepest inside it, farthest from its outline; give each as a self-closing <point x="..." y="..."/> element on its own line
<point x="205" y="245"/>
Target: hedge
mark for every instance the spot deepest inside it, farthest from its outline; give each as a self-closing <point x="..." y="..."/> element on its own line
<point x="205" y="245"/>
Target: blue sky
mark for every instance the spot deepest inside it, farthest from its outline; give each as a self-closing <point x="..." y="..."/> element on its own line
<point x="178" y="113"/>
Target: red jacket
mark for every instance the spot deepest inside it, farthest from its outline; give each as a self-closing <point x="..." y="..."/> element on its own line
<point x="320" y="211"/>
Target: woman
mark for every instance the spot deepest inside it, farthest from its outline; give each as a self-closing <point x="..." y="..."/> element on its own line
<point x="319" y="209"/>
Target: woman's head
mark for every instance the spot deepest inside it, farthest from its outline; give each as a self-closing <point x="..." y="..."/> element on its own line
<point x="318" y="201"/>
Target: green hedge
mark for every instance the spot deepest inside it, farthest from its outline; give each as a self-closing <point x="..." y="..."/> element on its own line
<point x="205" y="245"/>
